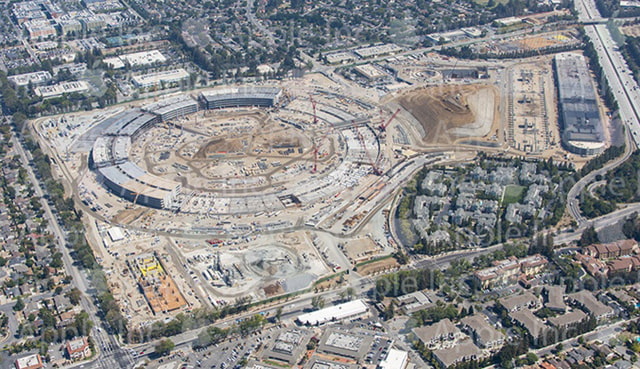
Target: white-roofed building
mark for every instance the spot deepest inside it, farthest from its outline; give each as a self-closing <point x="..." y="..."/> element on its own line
<point x="61" y="89"/>
<point x="115" y="233"/>
<point x="168" y="77"/>
<point x="35" y="78"/>
<point x="29" y="362"/>
<point x="348" y="310"/>
<point x="396" y="359"/>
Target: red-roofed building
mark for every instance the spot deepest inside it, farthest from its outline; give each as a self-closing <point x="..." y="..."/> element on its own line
<point x="78" y="349"/>
<point x="611" y="250"/>
<point x="29" y="362"/>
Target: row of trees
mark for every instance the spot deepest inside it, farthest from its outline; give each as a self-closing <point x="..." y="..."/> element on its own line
<point x="213" y="335"/>
<point x="407" y="281"/>
<point x="439" y="312"/>
<point x="631" y="51"/>
<point x="71" y="220"/>
<point x="466" y="52"/>
<point x="183" y="322"/>
<point x="599" y="161"/>
<point x="596" y="68"/>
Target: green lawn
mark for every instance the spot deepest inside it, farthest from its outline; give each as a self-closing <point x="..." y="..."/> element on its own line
<point x="512" y="194"/>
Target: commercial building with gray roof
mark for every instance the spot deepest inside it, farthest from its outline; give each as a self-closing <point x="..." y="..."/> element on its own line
<point x="345" y="344"/>
<point x="582" y="128"/>
<point x="289" y="346"/>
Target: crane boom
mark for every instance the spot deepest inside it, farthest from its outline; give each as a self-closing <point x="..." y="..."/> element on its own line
<point x="364" y="148"/>
<point x="384" y="125"/>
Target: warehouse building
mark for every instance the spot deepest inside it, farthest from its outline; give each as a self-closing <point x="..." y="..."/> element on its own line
<point x="346" y="344"/>
<point x="348" y="310"/>
<point x="581" y="123"/>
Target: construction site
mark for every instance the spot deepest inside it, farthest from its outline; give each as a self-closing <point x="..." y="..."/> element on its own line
<point x="263" y="190"/>
<point x="531" y="108"/>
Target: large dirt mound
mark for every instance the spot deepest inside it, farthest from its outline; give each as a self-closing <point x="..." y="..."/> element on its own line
<point x="444" y="110"/>
<point x="219" y="145"/>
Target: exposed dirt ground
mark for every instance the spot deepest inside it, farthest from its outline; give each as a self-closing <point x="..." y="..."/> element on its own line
<point x="445" y="108"/>
<point x="633" y="31"/>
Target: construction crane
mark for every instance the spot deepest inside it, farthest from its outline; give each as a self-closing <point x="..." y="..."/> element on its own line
<point x="313" y="105"/>
<point x="315" y="158"/>
<point x="316" y="144"/>
<point x="316" y="148"/>
<point x="451" y="72"/>
<point x="376" y="171"/>
<point x="135" y="199"/>
<point x="384" y="125"/>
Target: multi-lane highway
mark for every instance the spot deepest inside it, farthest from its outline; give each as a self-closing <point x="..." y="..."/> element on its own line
<point x="624" y="88"/>
<point x="616" y="71"/>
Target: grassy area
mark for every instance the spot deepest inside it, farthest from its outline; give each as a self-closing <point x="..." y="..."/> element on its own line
<point x="276" y="363"/>
<point x="373" y="261"/>
<point x="512" y="28"/>
<point x="378" y="266"/>
<point x="512" y="194"/>
<point x="329" y="277"/>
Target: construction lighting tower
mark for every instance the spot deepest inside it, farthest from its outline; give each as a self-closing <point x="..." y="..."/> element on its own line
<point x="317" y="143"/>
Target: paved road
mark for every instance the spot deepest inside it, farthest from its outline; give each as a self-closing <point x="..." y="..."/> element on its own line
<point x="573" y="197"/>
<point x="117" y="357"/>
<point x="601" y="333"/>
<point x="617" y="72"/>
<point x="598" y="223"/>
<point x="624" y="88"/>
<point x="258" y="24"/>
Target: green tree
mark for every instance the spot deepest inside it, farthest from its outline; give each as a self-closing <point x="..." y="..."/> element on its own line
<point x="164" y="347"/>
<point x="19" y="306"/>
<point x="74" y="296"/>
<point x="317" y="302"/>
<point x="252" y="324"/>
<point x="48" y="319"/>
<point x="589" y="237"/>
<point x="389" y="311"/>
